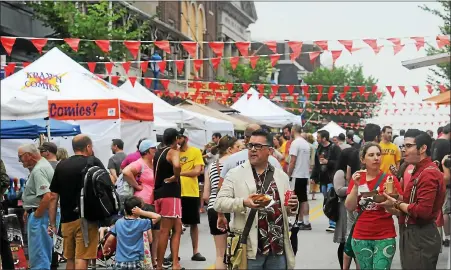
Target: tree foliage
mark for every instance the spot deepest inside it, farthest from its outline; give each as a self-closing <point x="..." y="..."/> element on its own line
<point x="341" y="76"/>
<point x="442" y="72"/>
<point x="91" y="20"/>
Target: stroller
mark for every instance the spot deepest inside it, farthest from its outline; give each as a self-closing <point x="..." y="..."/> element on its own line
<point x="103" y="260"/>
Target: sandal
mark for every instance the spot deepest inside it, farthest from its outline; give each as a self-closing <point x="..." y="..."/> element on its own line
<point x="198" y="258"/>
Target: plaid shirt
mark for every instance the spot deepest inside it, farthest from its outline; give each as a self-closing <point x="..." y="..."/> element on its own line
<point x="129" y="265"/>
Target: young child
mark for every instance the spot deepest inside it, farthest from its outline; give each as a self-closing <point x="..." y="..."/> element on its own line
<point x="129" y="233"/>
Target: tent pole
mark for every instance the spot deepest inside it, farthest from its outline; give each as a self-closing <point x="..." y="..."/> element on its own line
<point x="309" y="119"/>
<point x="48" y="129"/>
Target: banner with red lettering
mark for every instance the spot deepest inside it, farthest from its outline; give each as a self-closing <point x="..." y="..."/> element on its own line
<point x="84" y="109"/>
<point x="136" y="111"/>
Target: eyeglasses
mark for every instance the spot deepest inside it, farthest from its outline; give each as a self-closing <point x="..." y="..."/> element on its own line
<point x="257" y="146"/>
<point x="20" y="157"/>
<point x="408" y="145"/>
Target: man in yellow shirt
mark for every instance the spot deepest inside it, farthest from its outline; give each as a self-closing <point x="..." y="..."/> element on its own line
<point x="391" y="155"/>
<point x="191" y="162"/>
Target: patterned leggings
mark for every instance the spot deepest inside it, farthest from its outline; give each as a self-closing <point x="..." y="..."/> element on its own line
<point x="374" y="254"/>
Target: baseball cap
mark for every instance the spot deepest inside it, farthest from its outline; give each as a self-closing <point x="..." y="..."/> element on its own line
<point x="48" y="146"/>
<point x="146" y="145"/>
<point x="183" y="132"/>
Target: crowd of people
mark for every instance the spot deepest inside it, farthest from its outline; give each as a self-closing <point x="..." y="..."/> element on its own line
<point x="378" y="180"/>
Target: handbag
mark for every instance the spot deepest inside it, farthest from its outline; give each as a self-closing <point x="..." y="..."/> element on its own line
<point x="236" y="248"/>
<point x="348" y="245"/>
<point x="123" y="188"/>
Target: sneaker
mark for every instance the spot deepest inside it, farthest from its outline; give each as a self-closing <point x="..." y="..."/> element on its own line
<point x="446" y="242"/>
<point x="330" y="229"/>
<point x="167" y="263"/>
<point x="304" y="227"/>
<point x="198" y="258"/>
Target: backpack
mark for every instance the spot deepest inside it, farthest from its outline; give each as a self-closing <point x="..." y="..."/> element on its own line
<point x="331" y="205"/>
<point x="98" y="197"/>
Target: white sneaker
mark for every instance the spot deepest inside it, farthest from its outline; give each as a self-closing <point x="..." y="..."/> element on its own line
<point x="330" y="229"/>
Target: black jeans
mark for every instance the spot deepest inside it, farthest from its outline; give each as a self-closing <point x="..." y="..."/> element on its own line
<point x="5" y="248"/>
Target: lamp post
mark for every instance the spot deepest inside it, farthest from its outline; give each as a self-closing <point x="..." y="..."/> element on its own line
<point x="155" y="58"/>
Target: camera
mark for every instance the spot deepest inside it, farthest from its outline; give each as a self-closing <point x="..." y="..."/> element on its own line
<point x="447" y="162"/>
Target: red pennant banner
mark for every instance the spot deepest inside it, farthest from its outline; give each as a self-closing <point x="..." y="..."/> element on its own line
<point x="39" y="43"/>
<point x="419" y="42"/>
<point x="323" y="44"/>
<point x="378" y="49"/>
<point x="305" y="90"/>
<point x="272" y="45"/>
<point x="215" y="62"/>
<point x="442" y="41"/>
<point x="361" y="89"/>
<point x="320" y="92"/>
<point x="442" y="88"/>
<point x="275" y="88"/>
<point x="249" y="96"/>
<point x="397" y="48"/>
<point x="213" y="86"/>
<point x="345" y="90"/>
<point x="165" y="83"/>
<point x="229" y="87"/>
<point x="374" y="89"/>
<point x="290" y="89"/>
<point x="114" y="79"/>
<point x="190" y="47"/>
<point x="416" y="89"/>
<point x="379" y="95"/>
<point x="261" y="88"/>
<point x="347" y="44"/>
<point x="73" y="43"/>
<point x="429" y="87"/>
<point x="254" y="59"/>
<point x="330" y="95"/>
<point x="132" y="80"/>
<point x="260" y="96"/>
<point x="163" y="45"/>
<point x="162" y="66"/>
<point x="92" y="66"/>
<point x="372" y="43"/>
<point x="217" y="48"/>
<point x="126" y="66"/>
<point x="274" y="59"/>
<point x="8" y="44"/>
<point x="25" y="64"/>
<point x="197" y="63"/>
<point x="108" y="67"/>
<point x="283" y="96"/>
<point x="243" y="47"/>
<point x="245" y="86"/>
<point x="353" y="95"/>
<point x="9" y="69"/>
<point x="403" y="90"/>
<point x="313" y="56"/>
<point x="144" y="66"/>
<point x="335" y="55"/>
<point x="296" y="47"/>
<point x="180" y="64"/>
<point x="234" y="62"/>
<point x="133" y="47"/>
<point x="389" y="88"/>
<point x="395" y="41"/>
<point x="148" y="82"/>
<point x="104" y="45"/>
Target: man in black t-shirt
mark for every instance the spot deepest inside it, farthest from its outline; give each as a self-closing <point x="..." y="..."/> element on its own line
<point x="66" y="186"/>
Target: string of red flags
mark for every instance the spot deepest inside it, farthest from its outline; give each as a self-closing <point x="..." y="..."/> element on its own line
<point x="191" y="47"/>
<point x="369" y="112"/>
<point x="404" y="124"/>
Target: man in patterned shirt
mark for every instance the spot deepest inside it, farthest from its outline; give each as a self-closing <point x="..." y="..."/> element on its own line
<point x="268" y="242"/>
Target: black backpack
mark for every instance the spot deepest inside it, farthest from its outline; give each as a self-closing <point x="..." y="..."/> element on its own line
<point x="331" y="205"/>
<point x="98" y="197"/>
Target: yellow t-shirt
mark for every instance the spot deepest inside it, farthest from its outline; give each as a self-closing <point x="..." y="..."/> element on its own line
<point x="282" y="150"/>
<point x="188" y="160"/>
<point x="390" y="156"/>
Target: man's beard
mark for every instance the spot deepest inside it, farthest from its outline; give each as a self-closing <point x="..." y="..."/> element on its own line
<point x="287" y="137"/>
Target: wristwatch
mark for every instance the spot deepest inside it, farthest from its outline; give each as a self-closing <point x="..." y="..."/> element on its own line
<point x="397" y="204"/>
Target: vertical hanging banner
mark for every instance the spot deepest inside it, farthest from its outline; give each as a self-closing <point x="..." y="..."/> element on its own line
<point x="84" y="109"/>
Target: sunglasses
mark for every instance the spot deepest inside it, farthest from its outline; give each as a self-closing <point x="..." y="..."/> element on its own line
<point x="257" y="146"/>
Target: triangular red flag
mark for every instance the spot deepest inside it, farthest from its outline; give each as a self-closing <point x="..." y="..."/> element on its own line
<point x="290" y="89"/>
<point x="213" y="86"/>
<point x="25" y="64"/>
<point x="429" y="87"/>
<point x="238" y="95"/>
<point x="313" y="56"/>
<point x="442" y="88"/>
<point x="323" y="44"/>
<point x="39" y="43"/>
<point x="419" y="42"/>
<point x="442" y="41"/>
<point x="215" y="62"/>
<point x="245" y="86"/>
<point x="197" y="63"/>
<point x="260" y="96"/>
<point x="402" y="89"/>
<point x="379" y="95"/>
<point x="353" y="95"/>
<point x="144" y="66"/>
<point x="398" y="48"/>
<point x="283" y="96"/>
<point x="378" y="49"/>
<point x="147" y="82"/>
<point x="180" y="64"/>
<point x="249" y="96"/>
<point x="274" y="88"/>
<point x="126" y="66"/>
<point x="296" y="47"/>
<point x="254" y="59"/>
<point x="108" y="67"/>
<point x="164" y="45"/>
<point x="133" y="47"/>
<point x="104" y="45"/>
<point x="217" y="48"/>
<point x="162" y="66"/>
<point x="73" y="43"/>
<point x="8" y="43"/>
<point x="190" y="47"/>
<point x="335" y="55"/>
<point x="372" y="43"/>
<point x="395" y="41"/>
<point x="261" y="88"/>
<point x="9" y="69"/>
<point x="243" y="47"/>
<point x="165" y="83"/>
<point x="229" y="87"/>
<point x="374" y="89"/>
<point x="305" y="90"/>
<point x="347" y="44"/>
<point x="272" y="45"/>
<point x="416" y="89"/>
<point x="345" y="90"/>
<point x="330" y="95"/>
<point x="361" y="89"/>
<point x="320" y="92"/>
<point x="274" y="59"/>
<point x="114" y="79"/>
<point x="389" y="88"/>
<point x="132" y="80"/>
<point x="92" y="66"/>
<point x="234" y="62"/>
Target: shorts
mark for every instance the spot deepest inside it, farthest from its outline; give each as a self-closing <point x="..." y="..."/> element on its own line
<point x="129" y="265"/>
<point x="190" y="210"/>
<point x="213" y="222"/>
<point x="151" y="208"/>
<point x="300" y="189"/>
<point x="74" y="247"/>
<point x="169" y="207"/>
<point x="447" y="205"/>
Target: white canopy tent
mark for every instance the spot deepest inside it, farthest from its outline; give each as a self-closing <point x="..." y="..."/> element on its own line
<point x="200" y="127"/>
<point x="334" y="130"/>
<point x="17" y="105"/>
<point x="264" y="110"/>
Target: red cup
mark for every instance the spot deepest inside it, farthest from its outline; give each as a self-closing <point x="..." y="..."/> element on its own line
<point x="288" y="195"/>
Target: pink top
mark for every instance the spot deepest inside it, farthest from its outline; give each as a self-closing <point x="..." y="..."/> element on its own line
<point x="130" y="158"/>
<point x="146" y="180"/>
